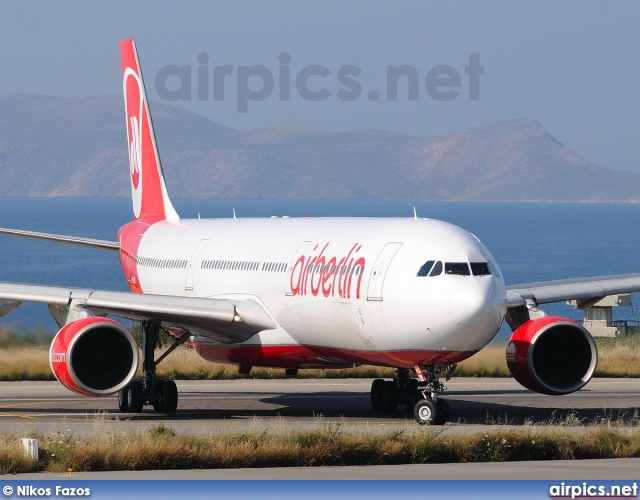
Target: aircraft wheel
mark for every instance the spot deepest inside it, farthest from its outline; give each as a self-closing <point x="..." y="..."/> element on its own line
<point x="135" y="397"/>
<point x="425" y="412"/>
<point x="411" y="397"/>
<point x="123" y="399"/>
<point x="391" y="397"/>
<point x="377" y="394"/>
<point x="167" y="397"/>
<point x="444" y="412"/>
<point x="170" y="395"/>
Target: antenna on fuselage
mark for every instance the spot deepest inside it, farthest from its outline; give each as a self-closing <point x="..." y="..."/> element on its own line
<point x="415" y="214"/>
<point x="234" y="213"/>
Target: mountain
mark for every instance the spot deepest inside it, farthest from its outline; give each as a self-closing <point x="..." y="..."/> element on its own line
<point x="51" y="146"/>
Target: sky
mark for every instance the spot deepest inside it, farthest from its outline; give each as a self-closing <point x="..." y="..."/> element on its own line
<point x="333" y="66"/>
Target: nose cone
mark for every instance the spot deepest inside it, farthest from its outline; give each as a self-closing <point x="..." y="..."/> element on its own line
<point x="477" y="306"/>
<point x="468" y="296"/>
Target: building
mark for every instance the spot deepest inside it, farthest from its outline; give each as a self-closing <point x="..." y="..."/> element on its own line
<point x="598" y="317"/>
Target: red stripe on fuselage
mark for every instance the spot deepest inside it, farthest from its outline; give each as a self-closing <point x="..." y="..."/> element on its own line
<point x="297" y="356"/>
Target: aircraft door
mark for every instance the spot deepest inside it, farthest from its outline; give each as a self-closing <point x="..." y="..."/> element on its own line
<point x="379" y="270"/>
<point x="188" y="285"/>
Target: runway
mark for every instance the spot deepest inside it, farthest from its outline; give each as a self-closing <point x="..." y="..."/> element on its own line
<point x="205" y="406"/>
<point x="287" y="405"/>
<point x="603" y="469"/>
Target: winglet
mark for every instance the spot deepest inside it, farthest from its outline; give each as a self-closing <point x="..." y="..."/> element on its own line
<point x="151" y="201"/>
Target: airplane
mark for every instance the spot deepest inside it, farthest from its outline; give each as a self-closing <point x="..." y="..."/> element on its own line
<point x="418" y="295"/>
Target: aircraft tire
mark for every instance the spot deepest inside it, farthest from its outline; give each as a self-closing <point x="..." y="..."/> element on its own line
<point x="123" y="400"/>
<point x="425" y="412"/>
<point x="444" y="412"/>
<point x="391" y="397"/>
<point x="377" y="394"/>
<point x="412" y="396"/>
<point x="168" y="397"/>
<point x="135" y="397"/>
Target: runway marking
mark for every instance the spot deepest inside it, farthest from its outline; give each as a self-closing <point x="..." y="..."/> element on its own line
<point x="27" y="404"/>
<point x="57" y="416"/>
<point x="18" y="415"/>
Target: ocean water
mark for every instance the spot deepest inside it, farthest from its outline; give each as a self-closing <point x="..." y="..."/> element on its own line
<point x="530" y="241"/>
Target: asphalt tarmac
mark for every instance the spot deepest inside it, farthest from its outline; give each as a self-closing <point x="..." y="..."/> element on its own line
<point x="206" y="406"/>
<point x="614" y="469"/>
<point x="294" y="403"/>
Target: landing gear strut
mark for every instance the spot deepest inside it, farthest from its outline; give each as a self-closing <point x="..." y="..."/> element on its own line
<point x="429" y="409"/>
<point x="161" y="394"/>
<point x="420" y="396"/>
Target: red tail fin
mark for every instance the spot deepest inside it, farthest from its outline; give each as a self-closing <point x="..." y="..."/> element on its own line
<point x="151" y="202"/>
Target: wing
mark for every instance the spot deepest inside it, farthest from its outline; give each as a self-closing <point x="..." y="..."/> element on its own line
<point x="587" y="291"/>
<point x="69" y="240"/>
<point x="222" y="319"/>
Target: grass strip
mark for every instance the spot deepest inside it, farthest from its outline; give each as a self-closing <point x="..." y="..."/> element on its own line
<point x="618" y="357"/>
<point x="329" y="444"/>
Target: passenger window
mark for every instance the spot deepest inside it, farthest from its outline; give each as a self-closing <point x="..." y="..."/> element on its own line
<point x="480" y="269"/>
<point x="426" y="267"/>
<point x="437" y="269"/>
<point x="459" y="268"/>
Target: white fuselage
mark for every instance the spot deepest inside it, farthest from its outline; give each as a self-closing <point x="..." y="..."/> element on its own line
<point x="347" y="289"/>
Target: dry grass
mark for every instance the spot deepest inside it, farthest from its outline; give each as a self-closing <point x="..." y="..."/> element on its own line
<point x="12" y="456"/>
<point x="327" y="444"/>
<point x="25" y="363"/>
<point x="490" y="362"/>
<point x="619" y="357"/>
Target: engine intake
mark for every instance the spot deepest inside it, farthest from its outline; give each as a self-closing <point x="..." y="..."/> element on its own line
<point x="94" y="356"/>
<point x="552" y="355"/>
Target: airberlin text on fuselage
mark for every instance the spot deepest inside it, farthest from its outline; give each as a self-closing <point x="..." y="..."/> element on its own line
<point x="320" y="274"/>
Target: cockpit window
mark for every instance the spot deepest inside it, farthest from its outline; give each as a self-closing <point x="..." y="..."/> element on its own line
<point x="426" y="267"/>
<point x="459" y="268"/>
<point x="494" y="269"/>
<point x="480" y="268"/>
<point x="437" y="269"/>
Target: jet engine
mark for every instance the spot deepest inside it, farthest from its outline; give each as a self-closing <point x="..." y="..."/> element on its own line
<point x="94" y="356"/>
<point x="552" y="355"/>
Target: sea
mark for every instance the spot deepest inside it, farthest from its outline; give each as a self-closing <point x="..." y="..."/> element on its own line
<point x="530" y="241"/>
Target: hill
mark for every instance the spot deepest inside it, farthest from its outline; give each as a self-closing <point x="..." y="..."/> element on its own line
<point x="51" y="146"/>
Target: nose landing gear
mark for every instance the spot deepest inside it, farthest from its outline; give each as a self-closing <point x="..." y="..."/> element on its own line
<point x="419" y="396"/>
<point x="428" y="411"/>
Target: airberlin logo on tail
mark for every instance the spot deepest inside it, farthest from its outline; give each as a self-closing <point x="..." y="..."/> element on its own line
<point x="134" y="101"/>
<point x="319" y="273"/>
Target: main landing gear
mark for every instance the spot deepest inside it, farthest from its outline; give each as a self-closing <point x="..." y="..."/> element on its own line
<point x="419" y="396"/>
<point x="161" y="394"/>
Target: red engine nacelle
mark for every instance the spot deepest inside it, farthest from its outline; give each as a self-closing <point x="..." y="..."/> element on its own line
<point x="552" y="355"/>
<point x="94" y="356"/>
